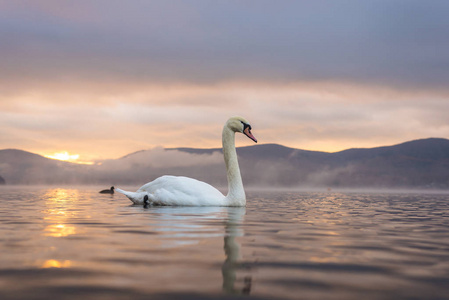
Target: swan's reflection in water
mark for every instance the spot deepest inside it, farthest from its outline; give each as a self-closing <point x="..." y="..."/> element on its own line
<point x="232" y="251"/>
<point x="186" y="226"/>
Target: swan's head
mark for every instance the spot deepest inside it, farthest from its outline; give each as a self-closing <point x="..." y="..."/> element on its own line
<point x="239" y="124"/>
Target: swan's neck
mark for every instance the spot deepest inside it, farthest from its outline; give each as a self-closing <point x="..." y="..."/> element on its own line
<point x="236" y="193"/>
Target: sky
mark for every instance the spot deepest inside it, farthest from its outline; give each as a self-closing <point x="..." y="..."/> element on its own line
<point x="100" y="79"/>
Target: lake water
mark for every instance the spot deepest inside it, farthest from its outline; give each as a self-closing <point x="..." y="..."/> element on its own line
<point x="74" y="243"/>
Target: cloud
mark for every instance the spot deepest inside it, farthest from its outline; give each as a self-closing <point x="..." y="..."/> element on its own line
<point x="385" y="42"/>
<point x="327" y="116"/>
<point x="103" y="78"/>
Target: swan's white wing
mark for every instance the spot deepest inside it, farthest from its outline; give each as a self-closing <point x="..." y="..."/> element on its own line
<point x="178" y="190"/>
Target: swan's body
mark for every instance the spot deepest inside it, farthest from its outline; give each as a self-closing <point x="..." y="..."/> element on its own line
<point x="184" y="191"/>
<point x="177" y="190"/>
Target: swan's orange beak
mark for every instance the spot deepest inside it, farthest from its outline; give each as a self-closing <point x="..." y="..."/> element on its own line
<point x="248" y="133"/>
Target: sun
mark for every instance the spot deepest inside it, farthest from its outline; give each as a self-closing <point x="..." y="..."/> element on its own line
<point x="63" y="156"/>
<point x="66" y="156"/>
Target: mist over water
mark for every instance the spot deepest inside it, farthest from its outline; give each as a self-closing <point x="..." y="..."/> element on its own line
<point x="68" y="243"/>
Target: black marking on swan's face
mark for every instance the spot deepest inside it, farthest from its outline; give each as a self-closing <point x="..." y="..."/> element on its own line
<point x="246" y="125"/>
<point x="247" y="131"/>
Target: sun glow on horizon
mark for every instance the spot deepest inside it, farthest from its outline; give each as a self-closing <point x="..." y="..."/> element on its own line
<point x="66" y="156"/>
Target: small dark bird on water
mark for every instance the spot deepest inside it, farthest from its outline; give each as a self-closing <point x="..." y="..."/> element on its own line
<point x="110" y="191"/>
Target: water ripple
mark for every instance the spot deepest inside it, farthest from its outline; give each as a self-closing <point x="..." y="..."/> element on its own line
<point x="68" y="243"/>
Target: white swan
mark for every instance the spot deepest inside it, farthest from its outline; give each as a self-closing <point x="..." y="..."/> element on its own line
<point x="184" y="191"/>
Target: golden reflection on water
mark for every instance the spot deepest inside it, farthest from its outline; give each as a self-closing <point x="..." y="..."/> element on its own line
<point x="328" y="259"/>
<point x="59" y="203"/>
<point x="60" y="209"/>
<point x="60" y="230"/>
<point x="53" y="263"/>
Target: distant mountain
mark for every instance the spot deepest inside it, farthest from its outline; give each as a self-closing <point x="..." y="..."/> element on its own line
<point x="21" y="167"/>
<point x="417" y="164"/>
<point x="420" y="164"/>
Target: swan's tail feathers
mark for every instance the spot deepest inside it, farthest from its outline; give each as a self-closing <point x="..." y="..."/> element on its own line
<point x="135" y="197"/>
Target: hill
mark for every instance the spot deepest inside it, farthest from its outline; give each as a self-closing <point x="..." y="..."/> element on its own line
<point x="21" y="167"/>
<point x="420" y="164"/>
<point x="417" y="164"/>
